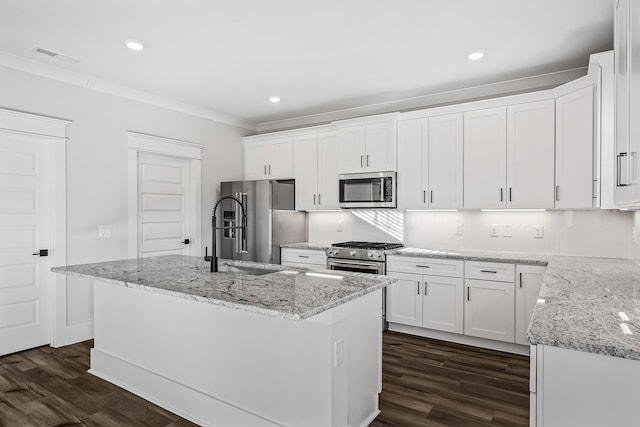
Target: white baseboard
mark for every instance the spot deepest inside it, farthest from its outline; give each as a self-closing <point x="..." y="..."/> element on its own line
<point x="182" y="400"/>
<point x="461" y="339"/>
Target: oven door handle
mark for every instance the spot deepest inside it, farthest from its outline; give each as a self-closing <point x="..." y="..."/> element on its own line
<point x="354" y="264"/>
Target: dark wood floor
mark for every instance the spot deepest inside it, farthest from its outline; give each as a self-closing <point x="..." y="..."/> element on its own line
<point x="434" y="383"/>
<point x="426" y="383"/>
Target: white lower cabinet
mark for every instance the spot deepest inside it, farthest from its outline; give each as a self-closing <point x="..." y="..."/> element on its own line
<point x="404" y="299"/>
<point x="442" y="307"/>
<point x="306" y="258"/>
<point x="489" y="310"/>
<point x="528" y="283"/>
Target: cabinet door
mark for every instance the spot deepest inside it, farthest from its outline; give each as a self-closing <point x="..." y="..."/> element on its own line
<point x="485" y="158"/>
<point x="445" y="161"/>
<point x="412" y="164"/>
<point x="574" y="150"/>
<point x="256" y="156"/>
<point x="305" y="171"/>
<point x="280" y="164"/>
<point x="528" y="283"/>
<point x="530" y="155"/>
<point x="380" y="147"/>
<point x="443" y="306"/>
<point x="352" y="147"/>
<point x="328" y="170"/>
<point x="489" y="310"/>
<point x="404" y="299"/>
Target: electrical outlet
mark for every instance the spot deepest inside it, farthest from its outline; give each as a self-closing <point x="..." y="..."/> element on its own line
<point x="339" y="352"/>
<point x="507" y="230"/>
<point x="459" y="229"/>
<point x="104" y="231"/>
<point x="339" y="227"/>
<point x="538" y="231"/>
<point x="493" y="230"/>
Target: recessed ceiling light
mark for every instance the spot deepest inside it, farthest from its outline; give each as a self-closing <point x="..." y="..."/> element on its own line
<point x="474" y="56"/>
<point x="134" y="44"/>
<point x="274" y="99"/>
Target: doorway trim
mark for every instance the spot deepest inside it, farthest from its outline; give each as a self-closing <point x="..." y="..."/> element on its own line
<point x="141" y="142"/>
<point x="42" y="128"/>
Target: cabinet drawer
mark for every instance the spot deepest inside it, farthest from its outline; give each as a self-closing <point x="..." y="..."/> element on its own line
<point x="303" y="256"/>
<point x="496" y="271"/>
<point x="431" y="266"/>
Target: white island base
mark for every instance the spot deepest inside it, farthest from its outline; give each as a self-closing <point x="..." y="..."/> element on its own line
<point x="221" y="366"/>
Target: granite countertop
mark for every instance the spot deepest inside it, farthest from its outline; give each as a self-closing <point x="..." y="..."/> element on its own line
<point x="286" y="292"/>
<point x="307" y="245"/>
<point x="584" y="303"/>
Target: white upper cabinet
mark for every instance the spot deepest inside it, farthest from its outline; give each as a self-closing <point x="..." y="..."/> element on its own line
<point x="268" y="159"/>
<point x="627" y="102"/>
<point x="574" y="150"/>
<point x="315" y="170"/>
<point x="485" y="158"/>
<point x="368" y="147"/>
<point x="430" y="162"/>
<point x="530" y="155"/>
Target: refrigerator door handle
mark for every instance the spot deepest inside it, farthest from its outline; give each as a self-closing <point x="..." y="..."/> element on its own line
<point x="243" y="235"/>
<point x="237" y="231"/>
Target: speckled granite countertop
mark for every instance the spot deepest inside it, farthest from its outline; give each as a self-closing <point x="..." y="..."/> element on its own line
<point x="286" y="292"/>
<point x="582" y="303"/>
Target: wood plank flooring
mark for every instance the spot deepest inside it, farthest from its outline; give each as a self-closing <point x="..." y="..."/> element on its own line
<point x="434" y="383"/>
<point x="425" y="383"/>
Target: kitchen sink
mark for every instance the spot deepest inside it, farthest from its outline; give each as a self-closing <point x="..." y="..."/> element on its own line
<point x="242" y="269"/>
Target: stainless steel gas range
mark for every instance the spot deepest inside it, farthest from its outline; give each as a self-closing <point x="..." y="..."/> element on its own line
<point x="362" y="257"/>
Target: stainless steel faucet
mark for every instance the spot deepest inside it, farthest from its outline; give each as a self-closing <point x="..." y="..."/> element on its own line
<point x="214" y="258"/>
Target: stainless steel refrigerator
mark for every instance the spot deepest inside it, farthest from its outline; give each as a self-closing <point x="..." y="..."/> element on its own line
<point x="271" y="220"/>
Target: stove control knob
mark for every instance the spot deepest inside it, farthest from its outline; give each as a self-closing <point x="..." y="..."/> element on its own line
<point x="370" y="254"/>
<point x="352" y="253"/>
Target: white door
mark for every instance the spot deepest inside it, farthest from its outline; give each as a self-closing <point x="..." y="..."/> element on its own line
<point x="352" y="149"/>
<point x="380" y="147"/>
<point x="404" y="299"/>
<point x="485" y="158"/>
<point x="25" y="224"/>
<point x="528" y="283"/>
<point x="256" y="157"/>
<point x="574" y="150"/>
<point x="164" y="224"/>
<point x="328" y="170"/>
<point x="446" y="135"/>
<point x="280" y="165"/>
<point x="489" y="310"/>
<point x="530" y="155"/>
<point x="305" y="171"/>
<point x="413" y="179"/>
<point x="443" y="303"/>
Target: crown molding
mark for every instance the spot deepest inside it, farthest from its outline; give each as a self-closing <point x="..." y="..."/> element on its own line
<point x="491" y="90"/>
<point x="31" y="66"/>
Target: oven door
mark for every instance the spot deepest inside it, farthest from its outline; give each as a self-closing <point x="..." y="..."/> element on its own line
<point x="370" y="267"/>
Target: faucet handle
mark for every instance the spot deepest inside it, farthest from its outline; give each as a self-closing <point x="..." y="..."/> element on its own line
<point x="206" y="256"/>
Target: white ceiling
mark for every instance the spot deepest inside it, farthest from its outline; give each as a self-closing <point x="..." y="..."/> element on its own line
<point x="318" y="56"/>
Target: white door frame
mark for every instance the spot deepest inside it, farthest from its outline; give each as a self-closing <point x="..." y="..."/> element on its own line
<point x="41" y="128"/>
<point x="140" y="142"/>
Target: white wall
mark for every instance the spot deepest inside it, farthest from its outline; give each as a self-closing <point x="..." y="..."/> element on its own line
<point x="97" y="160"/>
<point x="602" y="233"/>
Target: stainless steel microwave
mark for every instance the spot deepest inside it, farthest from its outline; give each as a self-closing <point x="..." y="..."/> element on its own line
<point x="368" y="190"/>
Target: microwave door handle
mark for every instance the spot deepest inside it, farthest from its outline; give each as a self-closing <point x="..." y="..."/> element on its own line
<point x="382" y="189"/>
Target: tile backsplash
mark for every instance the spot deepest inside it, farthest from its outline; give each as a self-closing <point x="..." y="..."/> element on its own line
<point x="602" y="233"/>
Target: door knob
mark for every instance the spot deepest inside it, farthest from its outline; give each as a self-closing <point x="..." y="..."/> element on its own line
<point x="42" y="252"/>
<point x="185" y="241"/>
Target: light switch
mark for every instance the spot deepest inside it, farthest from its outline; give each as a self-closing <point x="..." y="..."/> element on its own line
<point x="507" y="230"/>
<point x="104" y="231"/>
<point x="538" y="231"/>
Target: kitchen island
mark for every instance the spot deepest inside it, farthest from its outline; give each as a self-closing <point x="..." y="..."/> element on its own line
<point x="251" y="345"/>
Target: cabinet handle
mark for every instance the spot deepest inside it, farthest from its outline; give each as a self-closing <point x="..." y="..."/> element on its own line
<point x="509" y="193"/>
<point x="269" y="169"/>
<point x="488" y="271"/>
<point x="501" y="196"/>
<point x="431" y="196"/>
<point x="314" y="200"/>
<point x="367" y="160"/>
<point x="426" y="288"/>
<point x="557" y="193"/>
<point x="319" y="199"/>
<point x="422" y="266"/>
<point x="303" y="256"/>
<point x="418" y="287"/>
<point x="265" y="169"/>
<point x="361" y="160"/>
<point x="468" y="293"/>
<point x="520" y="279"/>
<point x="424" y="196"/>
